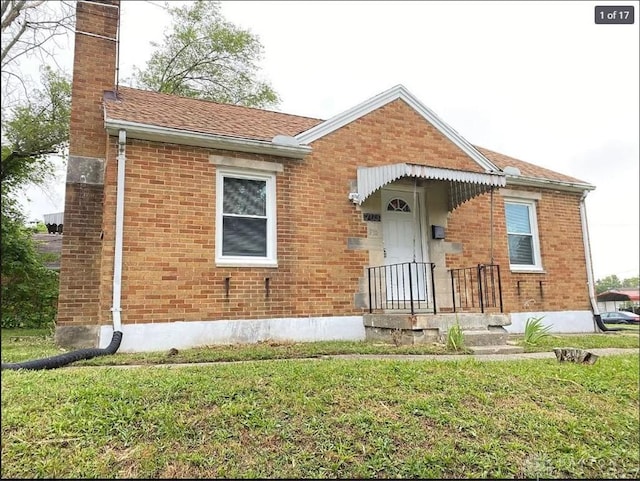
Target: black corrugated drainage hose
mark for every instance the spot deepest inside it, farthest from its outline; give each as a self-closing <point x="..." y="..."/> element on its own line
<point x="602" y="326"/>
<point x="60" y="360"/>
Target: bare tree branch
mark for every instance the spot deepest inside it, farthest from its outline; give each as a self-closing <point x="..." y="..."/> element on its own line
<point x="20" y="80"/>
<point x="13" y="41"/>
<point x="42" y="21"/>
<point x="12" y="14"/>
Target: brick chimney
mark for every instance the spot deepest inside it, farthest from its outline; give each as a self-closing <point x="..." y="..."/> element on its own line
<point x="94" y="71"/>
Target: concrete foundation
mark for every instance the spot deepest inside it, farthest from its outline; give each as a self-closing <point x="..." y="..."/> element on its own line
<point x="77" y="337"/>
<point x="184" y="335"/>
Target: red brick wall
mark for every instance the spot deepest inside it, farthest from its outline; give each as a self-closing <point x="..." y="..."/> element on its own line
<point x="564" y="280"/>
<point x="80" y="257"/>
<point x="392" y="134"/>
<point x="94" y="68"/>
<point x="169" y="268"/>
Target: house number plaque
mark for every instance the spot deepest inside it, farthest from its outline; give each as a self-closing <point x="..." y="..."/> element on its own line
<point x="368" y="217"/>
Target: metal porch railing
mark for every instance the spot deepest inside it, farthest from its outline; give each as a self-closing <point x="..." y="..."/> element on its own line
<point x="408" y="285"/>
<point x="476" y="288"/>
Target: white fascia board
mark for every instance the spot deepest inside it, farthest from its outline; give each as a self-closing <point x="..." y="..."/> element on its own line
<point x="184" y="137"/>
<point x="397" y="92"/>
<point x="348" y="116"/>
<point x="548" y="184"/>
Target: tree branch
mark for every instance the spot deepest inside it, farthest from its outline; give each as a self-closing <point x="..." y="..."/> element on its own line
<point x="13" y="41"/>
<point x="13" y="13"/>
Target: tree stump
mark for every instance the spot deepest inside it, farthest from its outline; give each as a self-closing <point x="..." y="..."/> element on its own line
<point x="572" y="354"/>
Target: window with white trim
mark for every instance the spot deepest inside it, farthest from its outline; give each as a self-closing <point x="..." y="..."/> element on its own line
<point x="245" y="218"/>
<point x="522" y="233"/>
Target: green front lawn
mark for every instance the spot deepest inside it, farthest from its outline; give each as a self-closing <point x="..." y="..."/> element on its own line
<point x="18" y="345"/>
<point x="628" y="338"/>
<point x="326" y="419"/>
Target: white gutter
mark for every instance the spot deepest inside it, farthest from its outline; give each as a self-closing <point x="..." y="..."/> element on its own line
<point x="546" y="183"/>
<point x="587" y="253"/>
<point x="117" y="259"/>
<point x="282" y="146"/>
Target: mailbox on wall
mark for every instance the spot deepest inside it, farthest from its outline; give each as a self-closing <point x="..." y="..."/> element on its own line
<point x="437" y="232"/>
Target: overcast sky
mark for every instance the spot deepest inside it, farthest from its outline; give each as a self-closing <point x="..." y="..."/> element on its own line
<point x="539" y="81"/>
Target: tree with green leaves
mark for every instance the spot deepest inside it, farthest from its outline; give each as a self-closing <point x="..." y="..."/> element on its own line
<point x="29" y="289"/>
<point x="34" y="130"/>
<point x="205" y="56"/>
<point x="613" y="282"/>
<point x="607" y="283"/>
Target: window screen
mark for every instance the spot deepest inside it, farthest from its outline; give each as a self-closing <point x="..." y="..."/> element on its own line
<point x="244" y="217"/>
<point x="520" y="234"/>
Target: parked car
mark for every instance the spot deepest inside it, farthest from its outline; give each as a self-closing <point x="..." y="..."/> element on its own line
<point x="620" y="317"/>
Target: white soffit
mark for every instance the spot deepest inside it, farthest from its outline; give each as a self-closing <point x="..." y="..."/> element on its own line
<point x="462" y="185"/>
<point x="397" y="92"/>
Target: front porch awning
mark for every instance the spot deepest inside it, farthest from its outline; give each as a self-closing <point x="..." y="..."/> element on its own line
<point x="463" y="185"/>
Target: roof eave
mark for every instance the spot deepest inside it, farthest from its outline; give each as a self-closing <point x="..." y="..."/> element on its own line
<point x="157" y="133"/>
<point x="548" y="183"/>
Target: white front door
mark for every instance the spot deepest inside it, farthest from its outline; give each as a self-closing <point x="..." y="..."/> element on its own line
<point x="402" y="237"/>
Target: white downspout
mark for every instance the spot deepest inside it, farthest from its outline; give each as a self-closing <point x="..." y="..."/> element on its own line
<point x="587" y="252"/>
<point x="117" y="259"/>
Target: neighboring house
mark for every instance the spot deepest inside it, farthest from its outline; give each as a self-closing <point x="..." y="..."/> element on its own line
<point x="197" y="223"/>
<point x="54" y="222"/>
<point x="51" y="246"/>
<point x="613" y="299"/>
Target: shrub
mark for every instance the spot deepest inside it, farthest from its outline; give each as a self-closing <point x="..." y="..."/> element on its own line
<point x="29" y="290"/>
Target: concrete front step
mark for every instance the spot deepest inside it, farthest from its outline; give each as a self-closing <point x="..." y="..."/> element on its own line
<point x="402" y="328"/>
<point x="485" y="337"/>
<point x="499" y="349"/>
<point x="441" y="321"/>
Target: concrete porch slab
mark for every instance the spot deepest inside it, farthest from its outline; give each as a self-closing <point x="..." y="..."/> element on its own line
<point x="405" y="329"/>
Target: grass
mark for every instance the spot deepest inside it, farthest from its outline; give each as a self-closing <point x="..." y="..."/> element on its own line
<point x="22" y="344"/>
<point x="625" y="327"/>
<point x="325" y="419"/>
<point x="627" y="339"/>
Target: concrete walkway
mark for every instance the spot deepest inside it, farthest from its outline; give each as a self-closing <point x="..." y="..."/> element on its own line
<point x="396" y="357"/>
<point x="480" y="357"/>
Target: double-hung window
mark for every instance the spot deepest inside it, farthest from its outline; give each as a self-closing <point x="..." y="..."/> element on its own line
<point x="245" y="218"/>
<point x="522" y="233"/>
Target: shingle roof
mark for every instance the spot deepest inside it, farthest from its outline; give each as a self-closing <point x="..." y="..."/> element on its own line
<point x="526" y="169"/>
<point x="194" y="115"/>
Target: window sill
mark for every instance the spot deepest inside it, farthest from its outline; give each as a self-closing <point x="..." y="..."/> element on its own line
<point x="246" y="263"/>
<point x="527" y="270"/>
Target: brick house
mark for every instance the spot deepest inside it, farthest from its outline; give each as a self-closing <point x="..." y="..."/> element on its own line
<point x="189" y="222"/>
